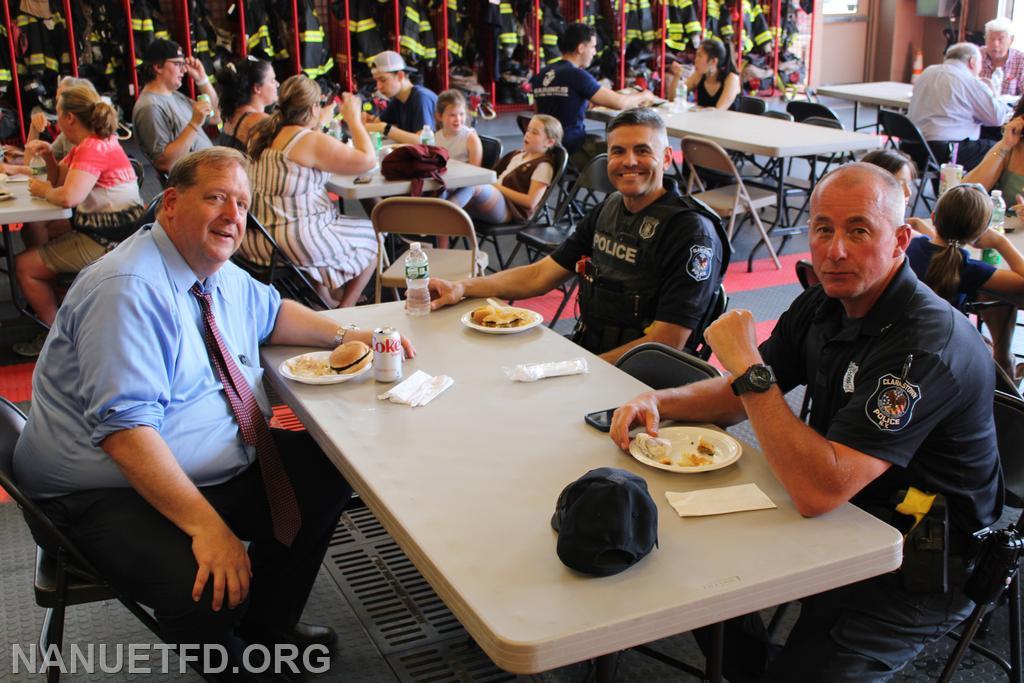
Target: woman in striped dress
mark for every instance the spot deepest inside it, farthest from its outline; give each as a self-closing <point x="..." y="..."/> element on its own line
<point x="292" y="162"/>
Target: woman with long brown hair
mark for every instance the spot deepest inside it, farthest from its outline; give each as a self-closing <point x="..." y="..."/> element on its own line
<point x="292" y="162"/>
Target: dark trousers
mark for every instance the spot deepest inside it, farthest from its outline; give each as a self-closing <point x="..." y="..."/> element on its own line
<point x="861" y="633"/>
<point x="140" y="552"/>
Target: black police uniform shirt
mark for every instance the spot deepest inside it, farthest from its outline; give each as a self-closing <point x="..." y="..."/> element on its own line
<point x="910" y="383"/>
<point x="680" y="261"/>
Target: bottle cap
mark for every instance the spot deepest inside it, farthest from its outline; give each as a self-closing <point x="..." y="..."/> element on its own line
<point x="415" y="246"/>
<point x="997" y="193"/>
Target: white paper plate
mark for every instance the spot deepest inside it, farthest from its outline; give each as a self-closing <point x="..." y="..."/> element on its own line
<point x="684" y="440"/>
<point x="325" y="379"/>
<point x="17" y="178"/>
<point x="535" y="319"/>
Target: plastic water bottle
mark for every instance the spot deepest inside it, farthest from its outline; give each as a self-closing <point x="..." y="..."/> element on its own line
<point x="38" y="166"/>
<point x="426" y="136"/>
<point x="417" y="277"/>
<point x="334" y="129"/>
<point x="997" y="80"/>
<point x="991" y="256"/>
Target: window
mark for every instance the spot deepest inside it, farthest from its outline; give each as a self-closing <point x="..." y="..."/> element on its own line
<point x="834" y="7"/>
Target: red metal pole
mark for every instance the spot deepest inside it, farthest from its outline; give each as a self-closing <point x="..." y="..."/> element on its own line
<point x="778" y="39"/>
<point x="14" y="72"/>
<point x="188" y="45"/>
<point x="72" y="52"/>
<point x="445" y="75"/>
<point x="537" y="46"/>
<point x="243" y="34"/>
<point x="347" y="25"/>
<point x="295" y="35"/>
<point x="664" y="37"/>
<point x="810" y="48"/>
<point x="131" y="49"/>
<point x="622" y="44"/>
<point x="398" y="26"/>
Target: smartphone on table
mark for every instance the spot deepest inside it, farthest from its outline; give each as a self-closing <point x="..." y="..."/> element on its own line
<point x="600" y="420"/>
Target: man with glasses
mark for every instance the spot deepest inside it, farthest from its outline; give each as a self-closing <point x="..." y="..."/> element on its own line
<point x="410" y="107"/>
<point x="167" y="124"/>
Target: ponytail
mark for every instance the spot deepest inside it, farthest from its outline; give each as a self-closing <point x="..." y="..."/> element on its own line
<point x="961" y="215"/>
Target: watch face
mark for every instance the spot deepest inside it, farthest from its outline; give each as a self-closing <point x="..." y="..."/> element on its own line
<point x="760" y="377"/>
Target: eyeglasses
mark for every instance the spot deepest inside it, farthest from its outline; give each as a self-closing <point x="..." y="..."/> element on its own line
<point x="176" y="62"/>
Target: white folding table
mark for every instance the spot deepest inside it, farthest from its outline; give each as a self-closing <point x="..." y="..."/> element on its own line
<point x="24" y="208"/>
<point x="888" y="94"/>
<point x="459" y="174"/>
<point x="467" y="485"/>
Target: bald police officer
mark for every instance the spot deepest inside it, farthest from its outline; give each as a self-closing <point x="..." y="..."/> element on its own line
<point x="901" y="390"/>
<point x="650" y="260"/>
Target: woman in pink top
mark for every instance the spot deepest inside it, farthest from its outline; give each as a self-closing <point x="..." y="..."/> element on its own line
<point x="97" y="181"/>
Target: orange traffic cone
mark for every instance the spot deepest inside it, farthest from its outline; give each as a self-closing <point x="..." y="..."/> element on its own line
<point x="918" y="66"/>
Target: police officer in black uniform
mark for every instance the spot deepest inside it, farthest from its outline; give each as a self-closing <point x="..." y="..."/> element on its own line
<point x="901" y="390"/>
<point x="650" y="261"/>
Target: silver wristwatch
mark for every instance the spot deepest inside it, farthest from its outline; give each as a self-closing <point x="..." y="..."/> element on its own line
<point x="339" y="336"/>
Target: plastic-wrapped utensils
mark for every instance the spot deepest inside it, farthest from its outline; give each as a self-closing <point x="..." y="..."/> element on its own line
<point x="531" y="372"/>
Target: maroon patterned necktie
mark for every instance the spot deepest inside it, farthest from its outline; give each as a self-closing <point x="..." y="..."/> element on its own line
<point x="284" y="509"/>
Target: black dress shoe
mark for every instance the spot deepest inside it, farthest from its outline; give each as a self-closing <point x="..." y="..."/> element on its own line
<point x="301" y="635"/>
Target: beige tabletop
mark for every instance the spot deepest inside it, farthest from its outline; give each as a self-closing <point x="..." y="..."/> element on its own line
<point x="467" y="484"/>
<point x="24" y="207"/>
<point x="459" y="174"/>
<point x="752" y="134"/>
<point x="892" y="94"/>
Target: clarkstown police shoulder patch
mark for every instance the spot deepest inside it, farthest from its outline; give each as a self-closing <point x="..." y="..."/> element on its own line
<point x="892" y="405"/>
<point x="699" y="265"/>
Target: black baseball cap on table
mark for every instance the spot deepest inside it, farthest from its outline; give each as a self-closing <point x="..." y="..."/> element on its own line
<point x="606" y="522"/>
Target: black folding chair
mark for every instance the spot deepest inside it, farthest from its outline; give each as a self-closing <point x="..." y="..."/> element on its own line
<point x="281" y="271"/>
<point x="140" y="170"/>
<point x="492" y="151"/>
<point x="896" y="126"/>
<point x="490" y="232"/>
<point x="997" y="569"/>
<point x="662" y="367"/>
<point x="63" y="575"/>
<point x="696" y="344"/>
<point x="802" y="110"/>
<point x="750" y="105"/>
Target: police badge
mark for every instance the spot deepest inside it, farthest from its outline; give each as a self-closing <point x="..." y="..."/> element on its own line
<point x="648" y="226"/>
<point x="892" y="405"/>
<point x="699" y="265"/>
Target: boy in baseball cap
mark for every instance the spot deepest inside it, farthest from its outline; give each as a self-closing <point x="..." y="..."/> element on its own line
<point x="410" y="107"/>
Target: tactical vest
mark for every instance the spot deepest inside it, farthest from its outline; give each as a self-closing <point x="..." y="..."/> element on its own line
<point x="618" y="293"/>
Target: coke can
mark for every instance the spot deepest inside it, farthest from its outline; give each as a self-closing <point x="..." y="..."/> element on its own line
<point x="387" y="354"/>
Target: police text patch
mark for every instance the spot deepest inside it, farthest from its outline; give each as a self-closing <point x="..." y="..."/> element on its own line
<point x="892" y="405"/>
<point x="699" y="265"/>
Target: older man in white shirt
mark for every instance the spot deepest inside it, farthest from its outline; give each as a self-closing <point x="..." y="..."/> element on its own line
<point x="951" y="103"/>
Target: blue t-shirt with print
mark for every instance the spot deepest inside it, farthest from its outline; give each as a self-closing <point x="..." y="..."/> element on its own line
<point x="973" y="273"/>
<point x="417" y="111"/>
<point x="563" y="90"/>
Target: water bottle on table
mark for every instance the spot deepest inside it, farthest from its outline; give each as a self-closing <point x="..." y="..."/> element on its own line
<point x="38" y="166"/>
<point x="426" y="136"/>
<point x="679" y="103"/>
<point x="417" y="277"/>
<point x="991" y="256"/>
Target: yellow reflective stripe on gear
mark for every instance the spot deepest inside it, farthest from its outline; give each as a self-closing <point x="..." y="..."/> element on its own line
<point x="364" y="25"/>
<point x="675" y="45"/>
<point x="454" y="48"/>
<point x="508" y="38"/>
<point x="692" y="27"/>
<point x="762" y="38"/>
<point x="312" y="36"/>
<point x="162" y="34"/>
<point x="412" y="14"/>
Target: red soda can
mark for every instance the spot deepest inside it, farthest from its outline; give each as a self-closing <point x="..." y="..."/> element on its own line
<point x="387" y="354"/>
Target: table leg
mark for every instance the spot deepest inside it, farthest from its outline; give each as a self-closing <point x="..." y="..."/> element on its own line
<point x="16" y="297"/>
<point x="714" y="659"/>
<point x="856" y="110"/>
<point x="604" y="667"/>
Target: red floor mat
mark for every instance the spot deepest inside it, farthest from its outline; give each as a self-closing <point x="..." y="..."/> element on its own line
<point x="16" y="382"/>
<point x="765" y="274"/>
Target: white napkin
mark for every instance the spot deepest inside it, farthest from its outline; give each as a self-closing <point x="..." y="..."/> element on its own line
<point x="531" y="372"/>
<point x="418" y="389"/>
<point x="719" y="501"/>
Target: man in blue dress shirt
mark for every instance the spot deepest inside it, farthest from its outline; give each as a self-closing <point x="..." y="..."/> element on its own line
<point x="133" y="450"/>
